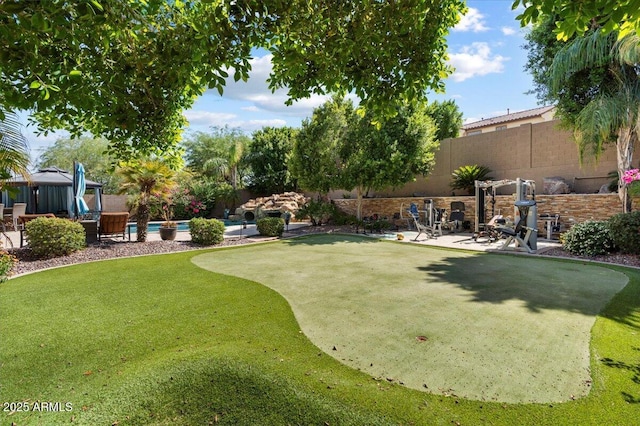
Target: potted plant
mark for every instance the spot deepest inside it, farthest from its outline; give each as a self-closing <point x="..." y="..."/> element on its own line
<point x="168" y="228"/>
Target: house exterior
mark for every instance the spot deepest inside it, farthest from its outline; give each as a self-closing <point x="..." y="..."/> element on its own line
<point x="509" y="121"/>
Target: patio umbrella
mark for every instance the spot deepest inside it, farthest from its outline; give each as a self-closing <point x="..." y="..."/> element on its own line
<point x="79" y="186"/>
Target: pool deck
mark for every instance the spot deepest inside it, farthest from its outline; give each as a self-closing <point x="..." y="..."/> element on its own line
<point x="449" y="240"/>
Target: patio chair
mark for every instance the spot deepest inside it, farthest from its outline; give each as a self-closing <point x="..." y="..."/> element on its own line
<point x="19" y="209"/>
<point x="114" y="225"/>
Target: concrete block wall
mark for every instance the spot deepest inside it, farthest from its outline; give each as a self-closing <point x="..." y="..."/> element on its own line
<point x="572" y="208"/>
<point x="531" y="151"/>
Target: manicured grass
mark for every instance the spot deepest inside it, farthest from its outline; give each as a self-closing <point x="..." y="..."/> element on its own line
<point x="484" y="327"/>
<point x="158" y="340"/>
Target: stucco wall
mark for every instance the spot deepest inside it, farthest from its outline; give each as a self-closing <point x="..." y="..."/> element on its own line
<point x="531" y="151"/>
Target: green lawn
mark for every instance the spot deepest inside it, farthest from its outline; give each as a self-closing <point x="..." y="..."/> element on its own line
<point x="159" y="340"/>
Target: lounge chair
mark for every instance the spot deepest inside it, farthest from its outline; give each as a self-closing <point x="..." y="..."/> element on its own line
<point x="114" y="225"/>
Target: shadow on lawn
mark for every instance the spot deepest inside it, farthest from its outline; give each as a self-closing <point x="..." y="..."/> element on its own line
<point x="538" y="283"/>
<point x="634" y="369"/>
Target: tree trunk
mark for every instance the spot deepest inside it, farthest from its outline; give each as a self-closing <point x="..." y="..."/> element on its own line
<point x="359" y="192"/>
<point x="142" y="222"/>
<point x="627" y="138"/>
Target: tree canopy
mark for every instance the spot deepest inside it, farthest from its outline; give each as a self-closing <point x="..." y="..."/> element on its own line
<point x="86" y="150"/>
<point x="126" y="69"/>
<point x="593" y="81"/>
<point x="578" y="17"/>
<point x="267" y="159"/>
<point x="447" y="118"/>
<point x="218" y="155"/>
<point x="340" y="149"/>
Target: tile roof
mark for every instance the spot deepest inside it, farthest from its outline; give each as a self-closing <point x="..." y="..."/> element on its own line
<point x="535" y="112"/>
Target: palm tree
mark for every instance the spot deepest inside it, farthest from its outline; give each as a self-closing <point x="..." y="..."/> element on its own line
<point x="14" y="149"/>
<point x="227" y="166"/>
<point x="143" y="178"/>
<point x="613" y="113"/>
<point x="465" y="177"/>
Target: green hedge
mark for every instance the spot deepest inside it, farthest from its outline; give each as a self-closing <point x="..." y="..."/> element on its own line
<point x="589" y="238"/>
<point x="53" y="237"/>
<point x="206" y="231"/>
<point x="270" y="226"/>
<point x="625" y="231"/>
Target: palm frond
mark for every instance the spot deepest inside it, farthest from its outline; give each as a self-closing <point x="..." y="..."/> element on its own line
<point x="593" y="50"/>
<point x="14" y="148"/>
<point x="627" y="50"/>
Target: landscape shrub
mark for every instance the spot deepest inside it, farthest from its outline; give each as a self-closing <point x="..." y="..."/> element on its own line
<point x="338" y="217"/>
<point x="206" y="231"/>
<point x="53" y="237"/>
<point x="6" y="264"/>
<point x="625" y="231"/>
<point x="317" y="211"/>
<point x="270" y="226"/>
<point x="589" y="238"/>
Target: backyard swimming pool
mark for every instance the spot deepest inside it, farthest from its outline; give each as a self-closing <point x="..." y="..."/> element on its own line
<point x="183" y="225"/>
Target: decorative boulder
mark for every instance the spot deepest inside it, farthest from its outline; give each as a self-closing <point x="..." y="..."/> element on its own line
<point x="604" y="189"/>
<point x="272" y="206"/>
<point x="556" y="185"/>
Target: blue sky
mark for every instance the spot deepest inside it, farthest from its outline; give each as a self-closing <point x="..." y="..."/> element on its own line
<point x="485" y="48"/>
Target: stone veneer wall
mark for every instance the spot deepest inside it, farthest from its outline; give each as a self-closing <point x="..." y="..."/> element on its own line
<point x="572" y="208"/>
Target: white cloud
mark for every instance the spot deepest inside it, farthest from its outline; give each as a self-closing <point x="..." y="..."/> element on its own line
<point x="256" y="91"/>
<point x="200" y="120"/>
<point x="475" y="60"/>
<point x="251" y="108"/>
<point x="472" y="21"/>
<point x="508" y="31"/>
<point x="206" y="118"/>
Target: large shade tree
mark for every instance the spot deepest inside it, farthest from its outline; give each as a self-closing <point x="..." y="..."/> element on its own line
<point x="447" y="118"/>
<point x="340" y="149"/>
<point x="267" y="159"/>
<point x="315" y="158"/>
<point x="389" y="153"/>
<point x="127" y="69"/>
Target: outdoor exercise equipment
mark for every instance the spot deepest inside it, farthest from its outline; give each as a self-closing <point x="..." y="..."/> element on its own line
<point x="524" y="233"/>
<point x="495" y="228"/>
<point x="455" y="220"/>
<point x="433" y="218"/>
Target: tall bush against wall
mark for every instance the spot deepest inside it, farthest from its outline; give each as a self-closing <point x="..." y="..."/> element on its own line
<point x="625" y="231"/>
